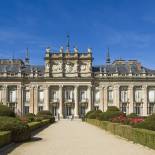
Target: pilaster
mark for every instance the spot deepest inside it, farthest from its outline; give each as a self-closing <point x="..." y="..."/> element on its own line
<point x="46" y="95"/>
<point x="144" y="94"/>
<point x="5" y="94"/>
<point x="116" y="95"/>
<point x="19" y="100"/>
<point x="130" y="98"/>
<point x="101" y="104"/>
<point x="76" y="101"/>
<point x="105" y="105"/>
<point x="89" y="90"/>
<point x="61" y="100"/>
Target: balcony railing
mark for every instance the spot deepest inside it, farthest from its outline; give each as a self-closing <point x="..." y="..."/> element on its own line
<point x="55" y="100"/>
<point x="69" y="100"/>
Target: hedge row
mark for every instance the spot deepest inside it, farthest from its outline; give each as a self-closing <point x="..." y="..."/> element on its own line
<point x="36" y="125"/>
<point x="141" y="136"/>
<point x="5" y="138"/>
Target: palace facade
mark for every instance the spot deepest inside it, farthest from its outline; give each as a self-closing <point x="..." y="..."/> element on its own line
<point x="69" y="84"/>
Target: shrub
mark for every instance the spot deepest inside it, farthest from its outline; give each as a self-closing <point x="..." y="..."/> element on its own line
<point x="88" y="113"/>
<point x="30" y="117"/>
<point x="148" y="123"/>
<point x="46" y="115"/>
<point x="112" y="108"/>
<point x="5" y="138"/>
<point x="121" y="119"/>
<point x="132" y="115"/>
<point x="19" y="131"/>
<point x="141" y="136"/>
<point x="151" y="118"/>
<point x="44" y="112"/>
<point x="109" y="115"/>
<point x="6" y="111"/>
<point x="94" y="114"/>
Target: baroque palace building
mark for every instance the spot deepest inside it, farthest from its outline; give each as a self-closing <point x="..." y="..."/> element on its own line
<point x="68" y="84"/>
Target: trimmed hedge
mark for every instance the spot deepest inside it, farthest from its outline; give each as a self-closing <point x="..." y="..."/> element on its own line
<point x="45" y="114"/>
<point x="19" y="130"/>
<point x="5" y="138"/>
<point x="36" y="125"/>
<point x="141" y="136"/>
<point x="6" y="111"/>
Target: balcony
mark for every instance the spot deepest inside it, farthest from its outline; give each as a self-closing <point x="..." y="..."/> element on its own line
<point x="55" y="100"/>
<point x="69" y="100"/>
<point x="84" y="100"/>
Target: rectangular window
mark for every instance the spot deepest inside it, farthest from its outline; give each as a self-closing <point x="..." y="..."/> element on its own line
<point x="12" y="95"/>
<point x="40" y="108"/>
<point x="26" y="109"/>
<point x="83" y="95"/>
<point x="68" y="95"/>
<point x="152" y="96"/>
<point x="41" y="96"/>
<point x="54" y="95"/>
<point x="138" y="95"/>
<point x="124" y="96"/>
<point x="110" y="96"/>
<point x="27" y="96"/>
<point x="97" y="97"/>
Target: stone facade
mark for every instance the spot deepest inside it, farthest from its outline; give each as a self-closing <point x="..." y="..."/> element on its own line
<point x="68" y="84"/>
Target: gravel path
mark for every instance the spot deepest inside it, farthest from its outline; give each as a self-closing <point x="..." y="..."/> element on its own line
<point x="78" y="138"/>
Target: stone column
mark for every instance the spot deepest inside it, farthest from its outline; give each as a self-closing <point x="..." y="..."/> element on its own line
<point x="89" y="98"/>
<point x="144" y="96"/>
<point x="116" y="96"/>
<point x="36" y="99"/>
<point x="5" y="95"/>
<point x="105" y="106"/>
<point x="19" y="100"/>
<point x="61" y="101"/>
<point x="101" y="104"/>
<point x="31" y="108"/>
<point x="46" y="98"/>
<point x="130" y="98"/>
<point x="76" y="102"/>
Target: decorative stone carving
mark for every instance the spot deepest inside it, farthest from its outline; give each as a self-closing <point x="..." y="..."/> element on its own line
<point x="57" y="66"/>
<point x="48" y="50"/>
<point x="69" y="67"/>
<point x="85" y="67"/>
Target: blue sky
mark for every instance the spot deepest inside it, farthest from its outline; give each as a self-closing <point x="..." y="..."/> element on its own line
<point x="127" y="27"/>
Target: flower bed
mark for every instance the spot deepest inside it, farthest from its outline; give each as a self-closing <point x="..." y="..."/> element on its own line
<point x="141" y="136"/>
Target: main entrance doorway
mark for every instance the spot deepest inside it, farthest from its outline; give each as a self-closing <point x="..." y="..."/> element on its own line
<point x="68" y="111"/>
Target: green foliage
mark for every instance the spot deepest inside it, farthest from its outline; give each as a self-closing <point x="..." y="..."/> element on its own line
<point x="5" y="138"/>
<point x="141" y="136"/>
<point x="30" y="117"/>
<point x="132" y="115"/>
<point x="112" y="108"/>
<point x="19" y="131"/>
<point x="46" y="115"/>
<point x="44" y="112"/>
<point x="109" y="115"/>
<point x="35" y="125"/>
<point x="149" y="123"/>
<point x="94" y="114"/>
<point x="88" y="113"/>
<point x="6" y="111"/>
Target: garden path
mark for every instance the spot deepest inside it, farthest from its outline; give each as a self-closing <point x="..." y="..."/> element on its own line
<point x="78" y="138"/>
